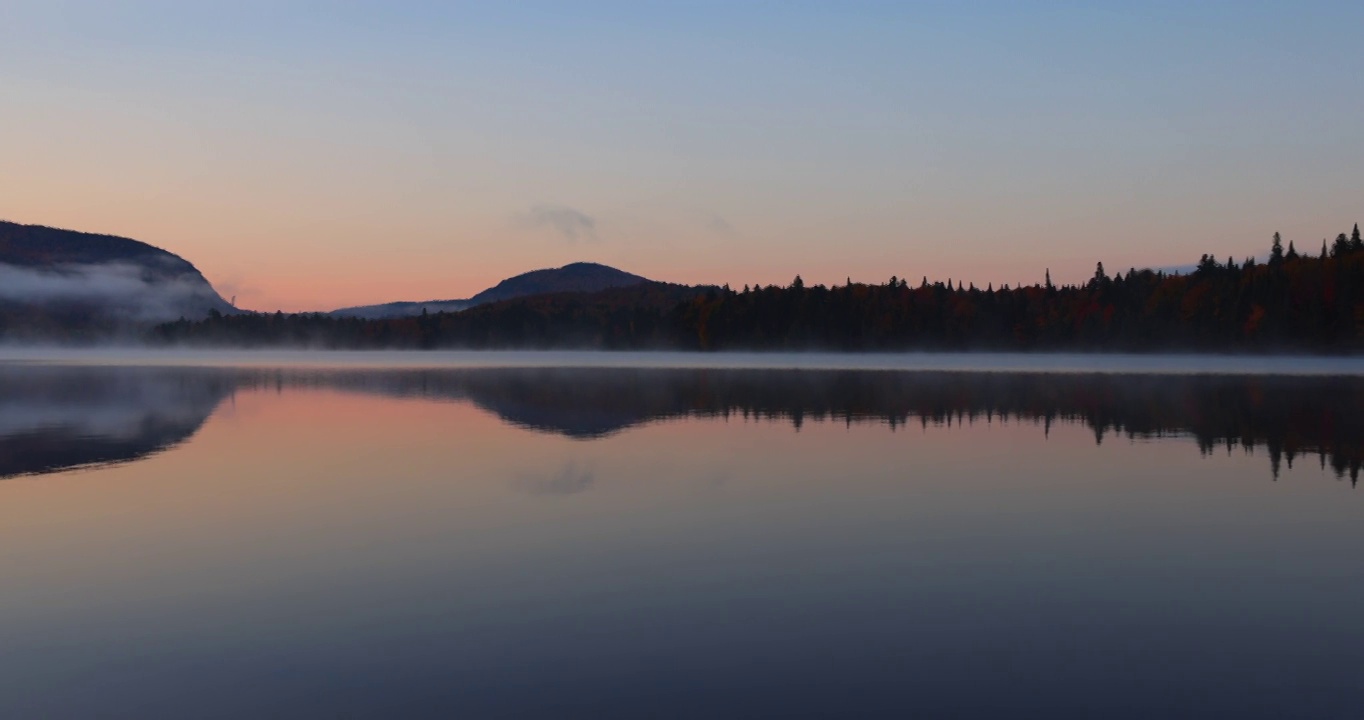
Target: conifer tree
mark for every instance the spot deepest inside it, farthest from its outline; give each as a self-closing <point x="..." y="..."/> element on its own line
<point x="1341" y="246"/>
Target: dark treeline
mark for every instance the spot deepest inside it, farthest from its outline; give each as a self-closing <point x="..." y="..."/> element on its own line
<point x="75" y="323"/>
<point x="1293" y="301"/>
<point x="627" y="317"/>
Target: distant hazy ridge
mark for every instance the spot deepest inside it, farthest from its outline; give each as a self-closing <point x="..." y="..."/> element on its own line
<point x="575" y="277"/>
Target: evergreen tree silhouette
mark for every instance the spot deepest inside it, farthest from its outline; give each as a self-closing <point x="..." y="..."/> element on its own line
<point x="1341" y="247"/>
<point x="1303" y="303"/>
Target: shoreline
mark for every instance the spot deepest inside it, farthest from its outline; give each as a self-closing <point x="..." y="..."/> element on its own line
<point x="1015" y="362"/>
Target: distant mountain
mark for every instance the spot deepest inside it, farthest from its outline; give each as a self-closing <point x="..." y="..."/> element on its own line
<point x="58" y="281"/>
<point x="630" y="317"/>
<point x="576" y="277"/>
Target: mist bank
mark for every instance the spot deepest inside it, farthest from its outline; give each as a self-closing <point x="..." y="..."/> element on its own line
<point x="1289" y="304"/>
<point x="72" y="287"/>
<point x="115" y="290"/>
<point x="976" y="362"/>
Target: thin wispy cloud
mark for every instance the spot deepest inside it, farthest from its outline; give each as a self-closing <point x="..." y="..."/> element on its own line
<point x="571" y="224"/>
<point x="718" y="225"/>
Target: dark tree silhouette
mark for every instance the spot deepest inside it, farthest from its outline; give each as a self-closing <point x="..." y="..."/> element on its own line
<point x="1292" y="302"/>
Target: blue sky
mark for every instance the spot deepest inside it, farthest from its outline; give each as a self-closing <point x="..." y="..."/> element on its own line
<point x="311" y="155"/>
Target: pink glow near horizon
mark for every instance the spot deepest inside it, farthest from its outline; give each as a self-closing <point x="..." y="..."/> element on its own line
<point x="305" y="162"/>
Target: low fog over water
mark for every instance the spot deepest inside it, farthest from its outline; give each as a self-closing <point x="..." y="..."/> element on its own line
<point x="969" y="362"/>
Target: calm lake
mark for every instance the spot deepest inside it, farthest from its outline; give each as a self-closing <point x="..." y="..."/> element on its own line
<point x="578" y="535"/>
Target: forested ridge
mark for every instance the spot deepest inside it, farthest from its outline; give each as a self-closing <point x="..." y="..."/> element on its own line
<point x="1291" y="302"/>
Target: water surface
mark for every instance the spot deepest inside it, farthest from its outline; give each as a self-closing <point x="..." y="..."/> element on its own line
<point x="218" y="539"/>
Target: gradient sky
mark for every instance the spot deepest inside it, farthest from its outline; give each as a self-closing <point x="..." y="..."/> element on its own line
<point x="309" y="155"/>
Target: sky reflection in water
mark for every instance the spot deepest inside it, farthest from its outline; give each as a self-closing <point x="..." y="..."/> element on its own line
<point x="676" y="542"/>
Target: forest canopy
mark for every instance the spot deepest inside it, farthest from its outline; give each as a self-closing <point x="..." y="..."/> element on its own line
<point x="1293" y="301"/>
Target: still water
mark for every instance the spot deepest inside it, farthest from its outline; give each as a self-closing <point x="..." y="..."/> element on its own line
<point x="484" y="541"/>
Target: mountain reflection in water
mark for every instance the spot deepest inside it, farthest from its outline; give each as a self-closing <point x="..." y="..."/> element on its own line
<point x="58" y="418"/>
<point x="54" y="418"/>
